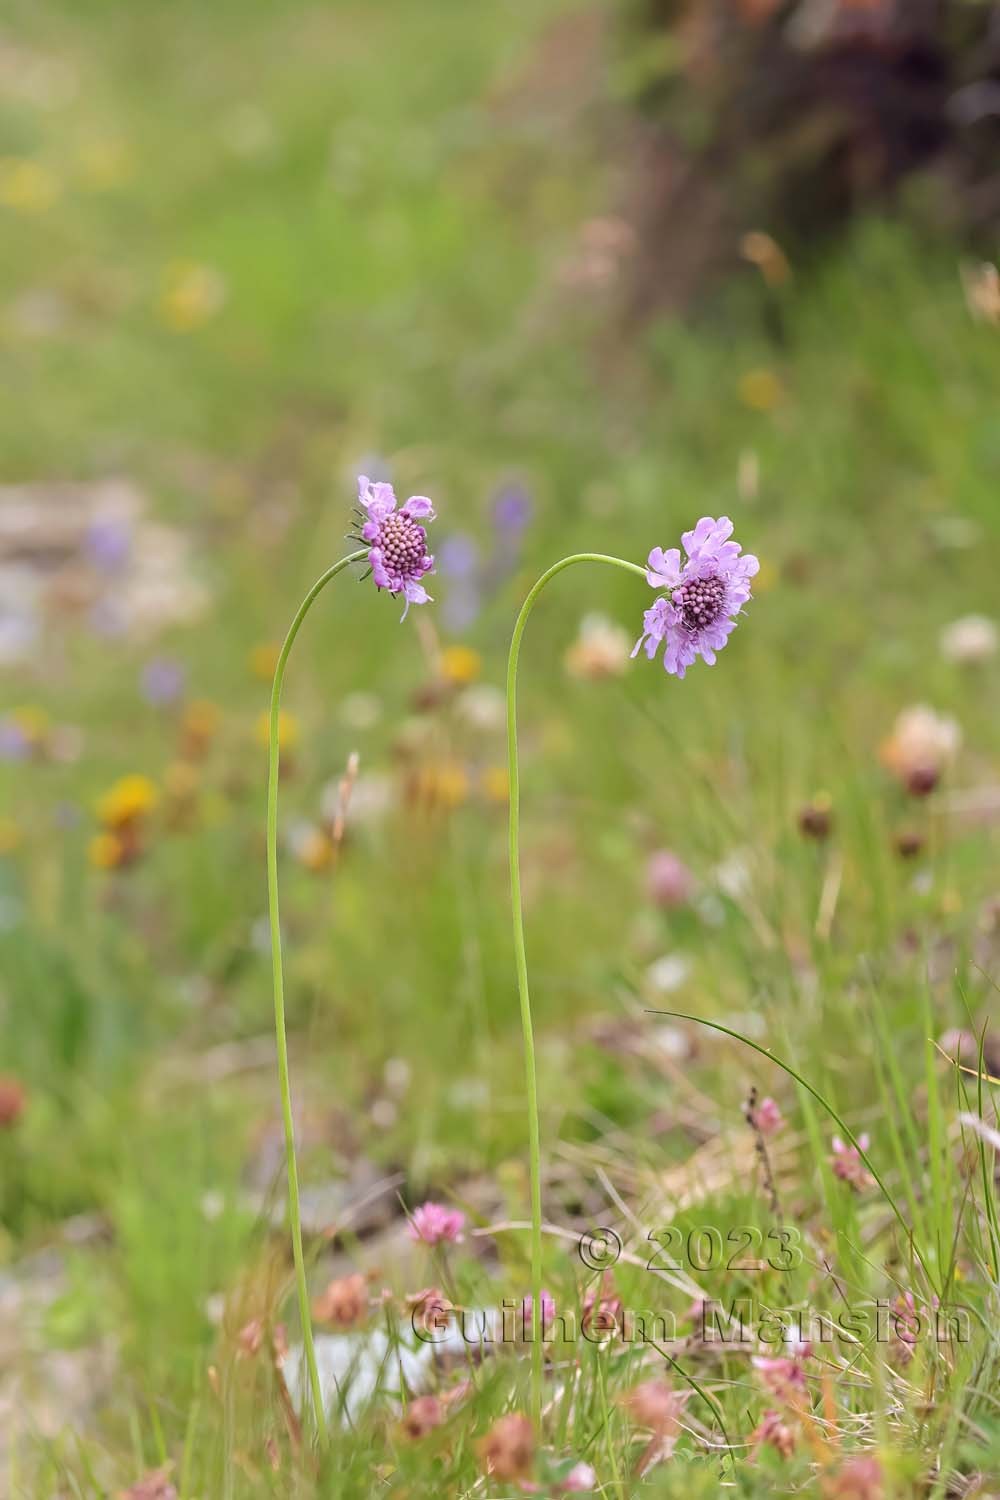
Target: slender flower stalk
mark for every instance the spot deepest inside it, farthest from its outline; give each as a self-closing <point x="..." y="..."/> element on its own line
<point x="294" y="1211"/>
<point x="699" y="603"/>
<point x="521" y="963"/>
<point x="396" y="550"/>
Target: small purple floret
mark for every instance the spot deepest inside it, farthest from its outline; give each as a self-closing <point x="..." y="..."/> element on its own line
<point x="398" y="543"/>
<point x="14" y="743"/>
<point x="707" y="593"/>
<point x="108" y="543"/>
<point x="162" y="681"/>
<point x="512" y="509"/>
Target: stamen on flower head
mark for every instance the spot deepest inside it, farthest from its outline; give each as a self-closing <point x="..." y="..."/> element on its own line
<point x="700" y="601"/>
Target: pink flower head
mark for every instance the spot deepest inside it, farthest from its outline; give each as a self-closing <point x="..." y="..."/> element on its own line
<point x="784" y="1377"/>
<point x="580" y="1478"/>
<point x="906" y="1324"/>
<point x="548" y="1312"/>
<point x="774" y="1431"/>
<point x="768" y="1117"/>
<point x="602" y="1307"/>
<point x="860" y="1478"/>
<point x="397" y="542"/>
<point x="706" y="595"/>
<point x="847" y="1163"/>
<point x="433" y="1224"/>
<point x="669" y="882"/>
<point x="431" y="1309"/>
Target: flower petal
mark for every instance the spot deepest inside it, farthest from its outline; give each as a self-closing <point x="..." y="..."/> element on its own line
<point x="663" y="569"/>
<point x="379" y="499"/>
<point x="420" y="508"/>
<point x="381" y="577"/>
<point x="707" y="537"/>
<point x="414" y="593"/>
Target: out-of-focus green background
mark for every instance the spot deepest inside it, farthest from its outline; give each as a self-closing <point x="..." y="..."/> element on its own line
<point x="247" y="252"/>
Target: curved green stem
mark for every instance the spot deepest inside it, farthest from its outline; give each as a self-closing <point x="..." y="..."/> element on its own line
<point x="521" y="963"/>
<point x="294" y="1212"/>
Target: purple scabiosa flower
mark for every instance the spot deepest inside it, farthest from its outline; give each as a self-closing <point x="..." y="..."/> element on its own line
<point x="397" y="542"/>
<point x="433" y="1224"/>
<point x="459" y="556"/>
<point x="707" y="594"/>
<point x="458" y="560"/>
<point x="14" y="743"/>
<point x="108" y="543"/>
<point x="162" y="681"/>
<point x="512" y="509"/>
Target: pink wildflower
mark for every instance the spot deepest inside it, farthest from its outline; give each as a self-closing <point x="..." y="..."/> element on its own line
<point x="847" y="1163"/>
<point x="858" y="1479"/>
<point x="767" y="1117"/>
<point x="580" y="1477"/>
<point x="602" y="1307"/>
<point x="906" y="1326"/>
<point x="784" y="1375"/>
<point x="773" y="1431"/>
<point x="548" y="1312"/>
<point x="669" y="882"/>
<point x="433" y="1224"/>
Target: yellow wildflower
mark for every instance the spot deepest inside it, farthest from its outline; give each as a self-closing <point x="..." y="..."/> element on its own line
<point x="312" y="847"/>
<point x="181" y="781"/>
<point x="288" y="730"/>
<point x="191" y="295"/>
<point x="761" y="390"/>
<point x="26" y="186"/>
<point x="442" y="784"/>
<point x="33" y="723"/>
<point x="105" y="851"/>
<point x="105" y="163"/>
<point x="199" y="726"/>
<point x="264" y="659"/>
<point x="130" y="799"/>
<point x="451" y="784"/>
<point x="495" y="784"/>
<point x="460" y="665"/>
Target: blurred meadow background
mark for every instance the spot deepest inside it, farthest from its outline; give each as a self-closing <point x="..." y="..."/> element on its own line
<point x="565" y="271"/>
